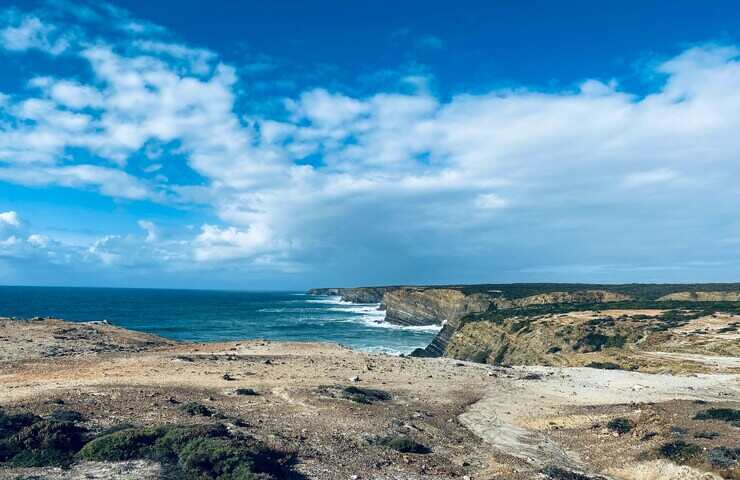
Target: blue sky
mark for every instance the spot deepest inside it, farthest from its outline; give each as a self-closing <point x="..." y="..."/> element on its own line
<point x="284" y="145"/>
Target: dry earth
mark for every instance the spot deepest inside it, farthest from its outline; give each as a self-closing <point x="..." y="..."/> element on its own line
<point x="480" y="421"/>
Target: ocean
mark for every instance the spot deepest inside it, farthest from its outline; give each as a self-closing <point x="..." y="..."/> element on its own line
<point x="210" y="316"/>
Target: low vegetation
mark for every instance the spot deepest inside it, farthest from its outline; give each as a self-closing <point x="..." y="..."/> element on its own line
<point x="724" y="458"/>
<point x="729" y="415"/>
<point x="191" y="452"/>
<point x="679" y="451"/>
<point x="354" y="394"/>
<point x="27" y="440"/>
<point x="620" y="425"/>
<point x="404" y="444"/>
<point x="196" y="409"/>
<point x="185" y="452"/>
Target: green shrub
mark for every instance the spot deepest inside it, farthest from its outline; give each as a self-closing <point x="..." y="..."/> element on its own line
<point x="130" y="444"/>
<point x="679" y="451"/>
<point x="404" y="444"/>
<point x="364" y="395"/>
<point x="67" y="416"/>
<point x="556" y="473"/>
<point x="249" y="392"/>
<point x="724" y="458"/>
<point x="603" y="365"/>
<point x="197" y="409"/>
<point x="224" y="459"/>
<point x="11" y="424"/>
<point x="190" y="452"/>
<point x="43" y="443"/>
<point x="620" y="425"/>
<point x="724" y="414"/>
<point x="173" y="439"/>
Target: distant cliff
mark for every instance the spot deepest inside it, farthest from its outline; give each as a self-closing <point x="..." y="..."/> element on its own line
<point x="431" y="306"/>
<point x="448" y="305"/>
<point x="701" y="297"/>
<point x="354" y="295"/>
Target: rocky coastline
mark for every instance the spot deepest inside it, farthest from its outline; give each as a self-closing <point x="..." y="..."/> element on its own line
<point x="561" y="382"/>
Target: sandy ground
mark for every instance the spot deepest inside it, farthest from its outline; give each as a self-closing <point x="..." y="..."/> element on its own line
<point x="481" y="422"/>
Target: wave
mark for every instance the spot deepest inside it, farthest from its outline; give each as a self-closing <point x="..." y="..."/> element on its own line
<point x="329" y="300"/>
<point x="392" y="326"/>
<point x="385" y="350"/>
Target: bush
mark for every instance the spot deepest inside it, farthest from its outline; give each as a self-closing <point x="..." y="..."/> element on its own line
<point x="603" y="365"/>
<point x="67" y="416"/>
<point x="197" y="409"/>
<point x="364" y="395"/>
<point x="223" y="459"/>
<point x="355" y="394"/>
<point x="404" y="444"/>
<point x="679" y="451"/>
<point x="249" y="392"/>
<point x="556" y="473"/>
<point x="724" y="414"/>
<point x="724" y="458"/>
<point x="43" y="443"/>
<point x="190" y="452"/>
<point x="620" y="425"/>
<point x="595" y="342"/>
<point x="11" y="424"/>
<point x="130" y="444"/>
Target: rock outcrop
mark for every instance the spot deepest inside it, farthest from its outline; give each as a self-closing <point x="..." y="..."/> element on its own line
<point x="701" y="297"/>
<point x="583" y="296"/>
<point x="431" y="306"/>
<point x="625" y="339"/>
<point x="355" y="295"/>
<point x="447" y="306"/>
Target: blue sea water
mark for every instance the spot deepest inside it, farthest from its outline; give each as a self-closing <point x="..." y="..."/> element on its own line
<point x="206" y="315"/>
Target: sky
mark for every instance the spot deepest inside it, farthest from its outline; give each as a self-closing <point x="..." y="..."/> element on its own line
<point x="286" y="144"/>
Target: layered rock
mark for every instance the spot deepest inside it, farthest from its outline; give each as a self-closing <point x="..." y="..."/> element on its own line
<point x="447" y="306"/>
<point x="701" y="297"/>
<point x="431" y="306"/>
<point x="626" y="339"/>
<point x="581" y="296"/>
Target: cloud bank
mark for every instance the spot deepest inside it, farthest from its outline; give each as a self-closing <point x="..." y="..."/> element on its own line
<point x="589" y="183"/>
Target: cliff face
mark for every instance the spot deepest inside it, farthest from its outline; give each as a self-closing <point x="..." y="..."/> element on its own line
<point x="702" y="297"/>
<point x="626" y="339"/>
<point x="447" y="306"/>
<point x="431" y="306"/>
<point x="583" y="296"/>
<point x="355" y="295"/>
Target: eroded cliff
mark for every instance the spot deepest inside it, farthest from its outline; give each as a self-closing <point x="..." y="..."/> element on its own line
<point x="354" y="295"/>
<point x="431" y="306"/>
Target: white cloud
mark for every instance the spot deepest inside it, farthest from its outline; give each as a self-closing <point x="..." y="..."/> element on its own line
<point x="29" y="32"/>
<point x="152" y="235"/>
<point x="10" y="219"/>
<point x="651" y="177"/>
<point x="38" y="240"/>
<point x="400" y="175"/>
<point x="111" y="182"/>
<point x="490" y="201"/>
<point x="216" y="244"/>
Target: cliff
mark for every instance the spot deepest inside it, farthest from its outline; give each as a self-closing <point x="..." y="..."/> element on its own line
<point x="448" y="305"/>
<point x="431" y="306"/>
<point x="354" y="295"/>
<point x="624" y="339"/>
<point x="701" y="297"/>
